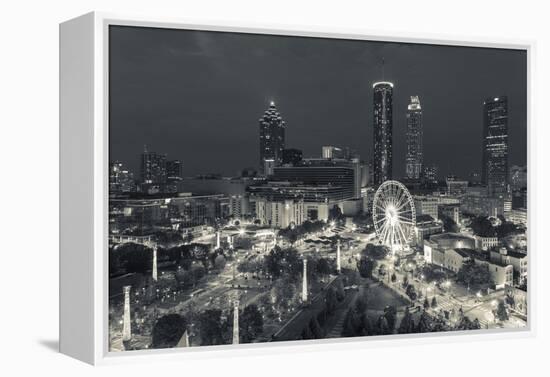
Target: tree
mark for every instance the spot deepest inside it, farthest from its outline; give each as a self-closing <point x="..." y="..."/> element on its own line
<point x="184" y="278"/>
<point x="251" y="323"/>
<point x="335" y="213"/>
<point x="434" y="302"/>
<point x="323" y="266"/>
<point x="283" y="261"/>
<point x="502" y="312"/>
<point x="210" y="325"/>
<point x="483" y="227"/>
<point x="350" y="324"/>
<point x="390" y="313"/>
<point x="473" y="275"/>
<point x="411" y="292"/>
<point x="198" y="272"/>
<point x="168" y="330"/>
<point x="376" y="252"/>
<point x="366" y="267"/>
<point x="449" y="224"/>
<point x="306" y="333"/>
<point x="219" y="262"/>
<point x="367" y="327"/>
<point x="407" y="323"/>
<point x="135" y="257"/>
<point x="283" y="293"/>
<point x="361" y="304"/>
<point x="340" y="292"/>
<point x="330" y="301"/>
<point x="382" y="326"/>
<point x="466" y="324"/>
<point x="424" y="323"/>
<point x="315" y="328"/>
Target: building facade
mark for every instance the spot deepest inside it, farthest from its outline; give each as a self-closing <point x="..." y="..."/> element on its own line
<point x="120" y="179"/>
<point x="292" y="156"/>
<point x="414" y="158"/>
<point x="153" y="168"/>
<point x="272" y="137"/>
<point x="383" y="132"/>
<point x="280" y="214"/>
<point x="495" y="145"/>
<point x="427" y="205"/>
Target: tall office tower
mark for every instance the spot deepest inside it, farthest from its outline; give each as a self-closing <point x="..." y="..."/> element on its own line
<point x="174" y="171"/>
<point x="383" y="124"/>
<point x="173" y="175"/>
<point x="272" y="137"/>
<point x="153" y="167"/>
<point x="495" y="145"/>
<point x="120" y="179"/>
<point x="413" y="166"/>
<point x="431" y="173"/>
<point x="292" y="156"/>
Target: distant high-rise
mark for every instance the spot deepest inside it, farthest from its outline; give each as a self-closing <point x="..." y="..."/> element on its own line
<point x="153" y="167"/>
<point x="120" y="179"/>
<point x="174" y="171"/>
<point x="272" y="137"/>
<point x="495" y="145"/>
<point x="292" y="156"/>
<point x="174" y="174"/>
<point x="329" y="151"/>
<point x="414" y="159"/>
<point x="431" y="173"/>
<point x="383" y="124"/>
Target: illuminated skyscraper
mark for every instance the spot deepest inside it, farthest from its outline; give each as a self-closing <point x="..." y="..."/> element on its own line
<point x="272" y="137"/>
<point x="383" y="124"/>
<point x="120" y="179"/>
<point x="413" y="167"/>
<point x="153" y="167"/>
<point x="495" y="145"/>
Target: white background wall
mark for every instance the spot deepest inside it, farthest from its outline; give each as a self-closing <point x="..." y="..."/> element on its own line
<point x="29" y="183"/>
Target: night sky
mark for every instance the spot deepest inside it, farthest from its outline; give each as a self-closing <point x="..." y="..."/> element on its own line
<point x="198" y="96"/>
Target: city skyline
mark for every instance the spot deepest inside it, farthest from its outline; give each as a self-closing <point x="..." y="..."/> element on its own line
<point x="346" y="228"/>
<point x="452" y="120"/>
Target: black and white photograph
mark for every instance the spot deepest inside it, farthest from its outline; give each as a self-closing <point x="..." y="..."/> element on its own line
<point x="273" y="188"/>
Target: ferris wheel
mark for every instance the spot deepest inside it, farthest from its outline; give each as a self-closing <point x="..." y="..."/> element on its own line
<point x="394" y="215"/>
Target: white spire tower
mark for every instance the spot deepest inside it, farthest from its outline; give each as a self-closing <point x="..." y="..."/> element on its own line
<point x="155" y="271"/>
<point x="184" y="340"/>
<point x="126" y="320"/>
<point x="218" y="242"/>
<point x="236" y="322"/>
<point x="304" y="282"/>
<point x="338" y="265"/>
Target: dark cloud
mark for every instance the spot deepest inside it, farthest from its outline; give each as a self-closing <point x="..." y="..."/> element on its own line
<point x="198" y="96"/>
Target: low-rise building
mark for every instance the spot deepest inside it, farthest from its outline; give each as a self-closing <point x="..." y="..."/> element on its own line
<point x="482" y="205"/>
<point x="516" y="259"/>
<point x="426" y="205"/>
<point x="451" y="211"/>
<point x="518" y="300"/>
<point x="502" y="274"/>
<point x="485" y="243"/>
<point x="517" y="216"/>
<point x="280" y="214"/>
<point x="425" y="227"/>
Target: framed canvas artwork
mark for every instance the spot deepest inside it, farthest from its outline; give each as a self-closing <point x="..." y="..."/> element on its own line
<point x="227" y="188"/>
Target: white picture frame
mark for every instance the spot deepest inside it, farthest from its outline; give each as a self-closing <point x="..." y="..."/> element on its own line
<point x="84" y="189"/>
